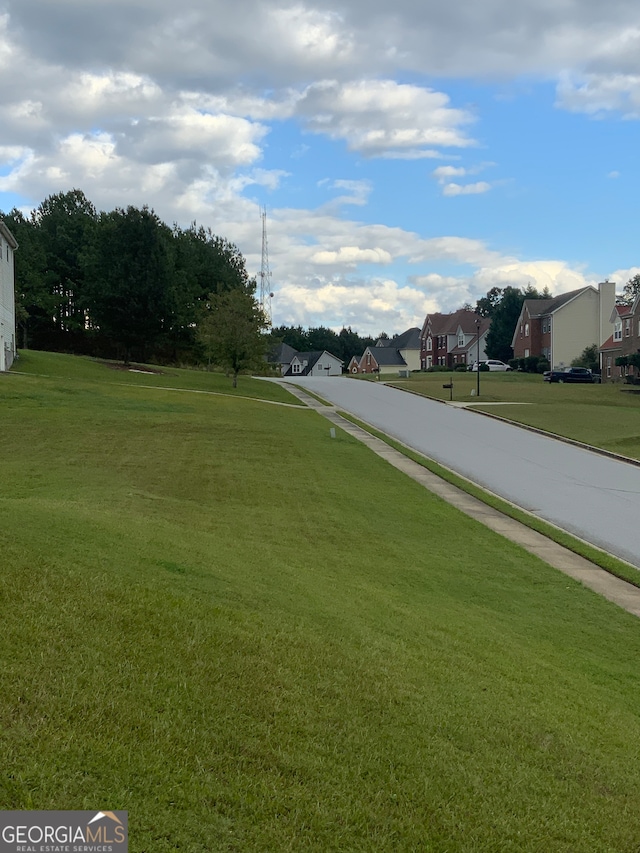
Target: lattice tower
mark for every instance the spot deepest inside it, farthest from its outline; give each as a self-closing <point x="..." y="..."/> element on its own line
<point x="265" y="273"/>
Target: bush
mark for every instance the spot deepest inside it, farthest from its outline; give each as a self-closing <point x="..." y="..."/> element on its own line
<point x="543" y="365"/>
<point x="515" y="363"/>
<point x="460" y="367"/>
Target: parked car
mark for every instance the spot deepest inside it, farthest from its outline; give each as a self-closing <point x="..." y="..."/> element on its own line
<point x="570" y="374"/>
<point x="492" y="364"/>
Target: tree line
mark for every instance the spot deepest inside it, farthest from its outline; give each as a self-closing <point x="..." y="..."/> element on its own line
<point x="117" y="284"/>
<point x="344" y="344"/>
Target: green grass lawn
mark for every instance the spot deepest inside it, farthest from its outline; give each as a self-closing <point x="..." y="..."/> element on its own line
<point x="256" y="638"/>
<point x="602" y="415"/>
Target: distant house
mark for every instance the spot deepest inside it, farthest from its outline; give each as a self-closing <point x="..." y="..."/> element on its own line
<point x="447" y="340"/>
<point x="624" y="341"/>
<point x="390" y="355"/>
<point x="562" y="327"/>
<point x="281" y="356"/>
<point x="611" y="349"/>
<point x="314" y="364"/>
<point x="381" y="359"/>
<point x="8" y="246"/>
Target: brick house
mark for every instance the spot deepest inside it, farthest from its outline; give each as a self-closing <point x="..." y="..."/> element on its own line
<point x="451" y="339"/>
<point x="624" y="341"/>
<point x="562" y="327"/>
<point x="390" y="355"/>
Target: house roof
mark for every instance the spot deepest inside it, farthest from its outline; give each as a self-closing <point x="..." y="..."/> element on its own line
<point x="8" y="236"/>
<point x="311" y="358"/>
<point x="448" y="324"/>
<point x="281" y="354"/>
<point x="407" y="340"/>
<point x="543" y="307"/>
<point x="385" y="355"/>
<point x="610" y="344"/>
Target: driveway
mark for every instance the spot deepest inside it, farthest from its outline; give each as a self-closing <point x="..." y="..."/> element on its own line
<point x="592" y="496"/>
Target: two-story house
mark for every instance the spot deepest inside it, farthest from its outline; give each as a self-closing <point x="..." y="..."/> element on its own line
<point x="450" y="339"/>
<point x="562" y="327"/>
<point x="8" y="246"/>
<point x="624" y="341"/>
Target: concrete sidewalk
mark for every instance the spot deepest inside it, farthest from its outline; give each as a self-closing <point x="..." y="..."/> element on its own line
<point x="620" y="592"/>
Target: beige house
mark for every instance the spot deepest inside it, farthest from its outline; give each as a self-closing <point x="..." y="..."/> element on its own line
<point x="8" y="246"/>
<point x="561" y="328"/>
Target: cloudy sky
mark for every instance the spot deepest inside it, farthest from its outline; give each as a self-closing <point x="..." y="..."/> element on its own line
<point x="410" y="155"/>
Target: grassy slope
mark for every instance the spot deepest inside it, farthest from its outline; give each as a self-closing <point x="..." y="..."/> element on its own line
<point x="602" y="415"/>
<point x="259" y="639"/>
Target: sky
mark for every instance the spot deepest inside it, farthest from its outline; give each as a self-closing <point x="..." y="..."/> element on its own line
<point x="409" y="155"/>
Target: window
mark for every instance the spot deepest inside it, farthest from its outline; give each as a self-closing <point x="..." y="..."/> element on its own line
<point x="526" y="330"/>
<point x="429" y="343"/>
<point x="544" y="327"/>
<point x="296" y="367"/>
<point x="608" y="365"/>
<point x="460" y="340"/>
<point x="526" y="353"/>
<point x="627" y="328"/>
<point x="617" y="331"/>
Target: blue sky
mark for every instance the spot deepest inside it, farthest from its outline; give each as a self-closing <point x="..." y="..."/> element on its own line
<point x="409" y="158"/>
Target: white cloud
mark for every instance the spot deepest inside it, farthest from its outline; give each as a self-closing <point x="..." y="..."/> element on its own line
<point x="453" y="189"/>
<point x="384" y="118"/>
<point x="600" y="93"/>
<point x="350" y="256"/>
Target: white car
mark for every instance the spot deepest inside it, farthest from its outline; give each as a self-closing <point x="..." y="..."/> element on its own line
<point x="492" y="363"/>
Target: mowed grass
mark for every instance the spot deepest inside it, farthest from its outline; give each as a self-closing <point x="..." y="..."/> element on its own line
<point x="606" y="416"/>
<point x="256" y="638"/>
<point x="77" y="368"/>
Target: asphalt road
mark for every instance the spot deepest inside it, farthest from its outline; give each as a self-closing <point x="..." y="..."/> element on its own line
<point x="592" y="496"/>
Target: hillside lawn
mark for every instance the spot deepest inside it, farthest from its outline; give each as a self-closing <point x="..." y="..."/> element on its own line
<point x="256" y="638"/>
<point x="606" y="416"/>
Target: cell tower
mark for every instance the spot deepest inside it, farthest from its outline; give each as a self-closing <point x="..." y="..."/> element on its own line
<point x="266" y="294"/>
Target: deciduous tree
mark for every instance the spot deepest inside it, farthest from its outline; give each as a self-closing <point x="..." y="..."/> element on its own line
<point x="231" y="330"/>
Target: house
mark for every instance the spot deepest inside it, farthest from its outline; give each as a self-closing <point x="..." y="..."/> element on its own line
<point x="382" y="359"/>
<point x="390" y="355"/>
<point x="407" y="345"/>
<point x="8" y="246"/>
<point x="353" y="365"/>
<point x="562" y="327"/>
<point x="447" y="340"/>
<point x="623" y="342"/>
<point x="314" y="364"/>
<point x="281" y="356"/>
<point x="611" y="349"/>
